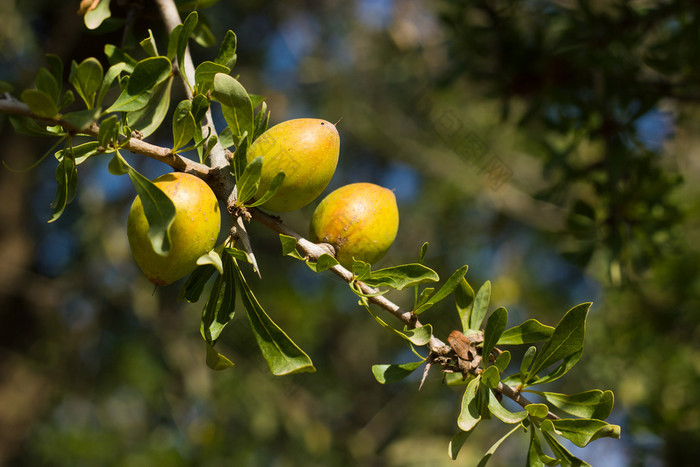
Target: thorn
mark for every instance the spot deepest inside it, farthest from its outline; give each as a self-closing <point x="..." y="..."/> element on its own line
<point x="425" y="374"/>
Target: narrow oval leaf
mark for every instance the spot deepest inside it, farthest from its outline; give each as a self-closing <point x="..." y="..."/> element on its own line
<point x="481" y="306"/>
<point x="527" y="361"/>
<point x="491" y="377"/>
<point x="250" y="180"/>
<point x="464" y="301"/>
<point x="194" y="286"/>
<point x="67" y="179"/>
<point x="81" y="119"/>
<point x="470" y="413"/>
<point x="447" y="289"/>
<point x="502" y="361"/>
<point x="400" y="277"/>
<point x="502" y="413"/>
<point x="582" y="431"/>
<point x="149" y="45"/>
<point x="94" y="18"/>
<point x="221" y="305"/>
<point x="391" y="373"/>
<point x="456" y="443"/>
<point x="227" y="50"/>
<point x="46" y="82"/>
<point x="212" y="258"/>
<point x="147" y="74"/>
<point x="235" y="104"/>
<point x="324" y="262"/>
<point x="204" y="75"/>
<point x="86" y="78"/>
<point x="183" y="38"/>
<point x="40" y="103"/>
<point x="537" y="410"/>
<point x="529" y="332"/>
<point x="112" y="74"/>
<point x="589" y="404"/>
<point x="275" y="185"/>
<point x="148" y="119"/>
<point x="184" y="126"/>
<point x="283" y="356"/>
<point x="494" y="328"/>
<point x="567" y="338"/>
<point x="159" y="211"/>
<point x="564" y="457"/>
<point x="216" y="361"/>
<point x="289" y="246"/>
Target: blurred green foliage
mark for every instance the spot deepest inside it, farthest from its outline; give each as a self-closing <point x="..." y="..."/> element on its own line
<point x="550" y="145"/>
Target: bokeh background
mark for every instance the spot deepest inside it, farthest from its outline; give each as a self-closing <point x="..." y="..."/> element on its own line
<point x="550" y="145"/>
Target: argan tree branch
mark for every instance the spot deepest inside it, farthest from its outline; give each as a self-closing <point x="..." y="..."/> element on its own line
<point x="11" y="106"/>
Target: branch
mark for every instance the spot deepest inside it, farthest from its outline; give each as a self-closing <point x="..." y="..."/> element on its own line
<point x="11" y="106"/>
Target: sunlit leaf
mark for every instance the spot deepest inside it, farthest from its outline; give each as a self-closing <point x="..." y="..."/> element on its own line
<point x="227" y="50"/>
<point x="480" y="307"/>
<point x="86" y="78"/>
<point x="204" y="75"/>
<point x="235" y="104"/>
<point x="529" y="332"/>
<point x="217" y="361"/>
<point x="212" y="258"/>
<point x="470" y="413"/>
<point x="221" y="305"/>
<point x="275" y="185"/>
<point x="502" y="413"/>
<point x="194" y="286"/>
<point x="457" y="442"/>
<point x="283" y="356"/>
<point x="148" y="119"/>
<point x="147" y="74"/>
<point x="589" y="404"/>
<point x="562" y="454"/>
<point x="446" y="290"/>
<point x="495" y="325"/>
<point x="484" y="460"/>
<point x="250" y="180"/>
<point x="581" y="431"/>
<point x="40" y="103"/>
<point x="400" y="277"/>
<point x="392" y="373"/>
<point x="94" y="18"/>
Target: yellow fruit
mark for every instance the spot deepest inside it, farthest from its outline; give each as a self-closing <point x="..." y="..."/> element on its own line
<point x="306" y="150"/>
<point x="360" y="220"/>
<point x="193" y="233"/>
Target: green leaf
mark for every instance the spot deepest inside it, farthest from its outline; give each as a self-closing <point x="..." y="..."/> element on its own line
<point x="172" y="42"/>
<point x="566" y="340"/>
<point x="240" y="159"/>
<point x="423" y="251"/>
<point x="502" y="361"/>
<point x="147" y="74"/>
<point x="535" y="456"/>
<point x="529" y="332"/>
<point x="447" y="289"/>
<point x="589" y="404"/>
<point x="40" y="103"/>
<point x="235" y="105"/>
<point x="212" y="258"/>
<point x="537" y="410"/>
<point x="200" y="105"/>
<point x="184" y="126"/>
<point x="148" y="119"/>
<point x="262" y="119"/>
<point x="400" y="277"/>
<point x="109" y="132"/>
<point x="216" y="361"/>
<point x="47" y="83"/>
<point x="227" y="50"/>
<point x="528" y="357"/>
<point x="419" y="336"/>
<point x="456" y="443"/>
<point x="495" y="325"/>
<point x="87" y="78"/>
<point x="82" y="119"/>
<point x="80" y="153"/>
<point x="464" y="301"/>
<point x="289" y="246"/>
<point x="204" y="75"/>
<point x="149" y="45"/>
<point x="563" y="455"/>
<point x="250" y="180"/>
<point x="480" y="307"/>
<point x="183" y="37"/>
<point x="563" y="368"/>
<point x="67" y="99"/>
<point x="325" y="261"/>
<point x="583" y="431"/>
<point x="424" y="296"/>
<point x="283" y="356"/>
<point x="491" y="377"/>
<point x="6" y="87"/>
<point x="94" y="18"/>
<point x="470" y="413"/>
<point x="501" y="412"/>
<point x="194" y="286"/>
<point x="275" y="185"/>
<point x="221" y="304"/>
<point x="202" y="34"/>
<point x="484" y="460"/>
<point x="112" y="74"/>
<point x="117" y="56"/>
<point x="393" y="373"/>
<point x="67" y="179"/>
<point x="28" y="126"/>
<point x="158" y="208"/>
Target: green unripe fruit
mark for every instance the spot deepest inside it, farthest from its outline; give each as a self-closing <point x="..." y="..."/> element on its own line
<point x="360" y="220"/>
<point x="306" y="150"/>
<point x="193" y="232"/>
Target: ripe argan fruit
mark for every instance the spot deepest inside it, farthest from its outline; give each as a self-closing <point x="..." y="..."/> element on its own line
<point x="193" y="232"/>
<point x="306" y="150"/>
<point x="360" y="220"/>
